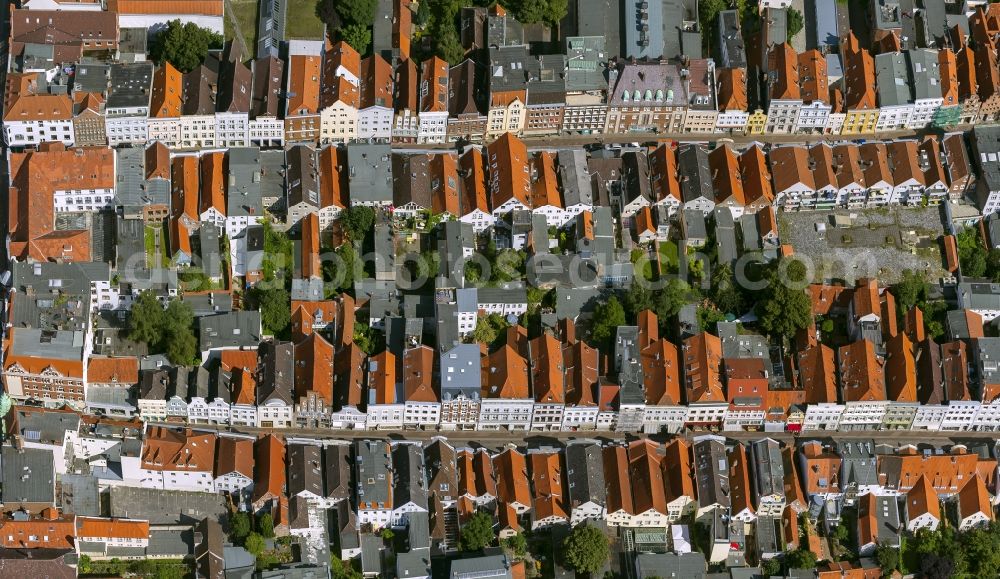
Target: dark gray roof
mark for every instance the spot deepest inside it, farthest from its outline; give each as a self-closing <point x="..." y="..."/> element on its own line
<point x="91" y="77"/>
<point x="687" y="565"/>
<point x="586" y="62"/>
<point x="153" y="384"/>
<point x="79" y="495"/>
<point x="229" y="330"/>
<point x="268" y="73"/>
<point x="503" y="31"/>
<point x="56" y="345"/>
<point x="302" y="183"/>
<point x="893" y="84"/>
<point x="601" y="18"/>
<point x="305" y="473"/>
<point x="492" y="566"/>
<point x="370" y="179"/>
<point x="28" y="476"/>
<point x="768" y="469"/>
<point x="342" y="520"/>
<point x="133" y="191"/>
<point x="235" y="80"/>
<point x="986" y="157"/>
<point x="243" y="189"/>
<point x="635" y="177"/>
<point x="66" y="278"/>
<point x="508" y="68"/>
<point x="460" y="371"/>
<point x="546" y="79"/>
<point x="585" y="473"/>
<point x="130" y="85"/>
<point x="275" y="371"/>
<point x="725" y="235"/>
<point x="711" y="464"/>
<point x="208" y="246"/>
<point x="442" y="476"/>
<point x="371" y="555"/>
<point x="374" y="473"/>
<point x="337" y="472"/>
<point x="680" y="27"/>
<point x="732" y="50"/>
<point x="161" y="507"/>
<point x="858" y="464"/>
<point x="575" y="177"/>
<point x="408" y="475"/>
<point x="199" y="88"/>
<point x="694" y="173"/>
<point x="414" y="563"/>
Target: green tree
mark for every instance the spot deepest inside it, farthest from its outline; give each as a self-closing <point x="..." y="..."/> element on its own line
<point x="169" y="332"/>
<point x="340" y="272"/>
<point x="254" y="544"/>
<point x="387" y="534"/>
<point x="358" y="35"/>
<point x="674" y="296"/>
<point x="517" y="544"/>
<point x="239" y="527"/>
<point x="795" y="22"/>
<point x="770" y="568"/>
<point x="145" y="319"/>
<point x="448" y="46"/>
<point x="370" y="340"/>
<point x="975" y="266"/>
<point x="266" y="526"/>
<point x="801" y="559"/>
<point x="638" y="298"/>
<point x="783" y="310"/>
<point x="888" y="558"/>
<point x="708" y="317"/>
<point x="585" y="550"/>
<point x="488" y="328"/>
<point x="273" y="305"/>
<point x="972" y="256"/>
<point x="607" y="317"/>
<point x="356" y="11"/>
<point x="343" y="569"/>
<point x="357" y="221"/>
<point x="910" y="290"/>
<point x="725" y="294"/>
<point x="477" y="533"/>
<point x="184" y="45"/>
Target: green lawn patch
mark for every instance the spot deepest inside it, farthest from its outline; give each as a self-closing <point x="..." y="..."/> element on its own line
<point x="245" y="12"/>
<point x="301" y="21"/>
<point x="668" y="253"/>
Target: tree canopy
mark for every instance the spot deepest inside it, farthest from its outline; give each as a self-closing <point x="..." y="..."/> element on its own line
<point x="254" y="544"/>
<point x="795" y="22"/>
<point x="607" y="317"/>
<point x="357" y="35"/>
<point x="184" y="45"/>
<point x="169" y="332"/>
<point x="272" y="303"/>
<point x="784" y="308"/>
<point x="801" y="559"/>
<point x="585" y="549"/>
<point x="239" y="527"/>
<point x="477" y="533"/>
<point x="357" y="221"/>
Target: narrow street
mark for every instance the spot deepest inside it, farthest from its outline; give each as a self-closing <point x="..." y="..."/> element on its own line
<point x="496" y="439"/>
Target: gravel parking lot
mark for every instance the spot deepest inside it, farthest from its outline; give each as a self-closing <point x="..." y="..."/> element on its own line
<point x="879" y="242"/>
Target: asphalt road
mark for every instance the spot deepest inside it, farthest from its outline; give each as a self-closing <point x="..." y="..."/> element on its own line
<point x="557" y="141"/>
